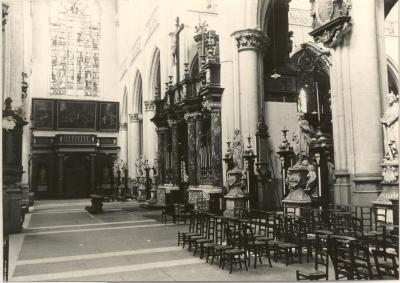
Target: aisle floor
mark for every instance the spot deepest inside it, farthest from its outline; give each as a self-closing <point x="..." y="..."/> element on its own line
<point x="62" y="242"/>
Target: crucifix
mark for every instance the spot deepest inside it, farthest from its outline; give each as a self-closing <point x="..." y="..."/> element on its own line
<point x="175" y="54"/>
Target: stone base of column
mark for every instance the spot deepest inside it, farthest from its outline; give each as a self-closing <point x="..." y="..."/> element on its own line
<point x="153" y="195"/>
<point x="342" y="188"/>
<point x="366" y="188"/>
<point x="141" y="192"/>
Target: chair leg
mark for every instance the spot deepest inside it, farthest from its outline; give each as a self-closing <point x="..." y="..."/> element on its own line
<point x="287" y="256"/>
<point x="231" y="264"/>
<point x="245" y="262"/>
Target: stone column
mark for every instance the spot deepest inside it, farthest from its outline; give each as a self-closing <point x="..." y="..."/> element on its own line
<point x="123" y="141"/>
<point x="60" y="179"/>
<point x="192" y="152"/>
<point x="199" y="121"/>
<point x="134" y="144"/>
<point x="167" y="161"/>
<point x="249" y="43"/>
<point x="175" y="166"/>
<point x="161" y="154"/>
<point x="150" y="131"/>
<point x="359" y="148"/>
<point x="92" y="173"/>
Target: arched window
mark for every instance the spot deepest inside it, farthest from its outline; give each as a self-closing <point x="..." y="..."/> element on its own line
<point x="75" y="37"/>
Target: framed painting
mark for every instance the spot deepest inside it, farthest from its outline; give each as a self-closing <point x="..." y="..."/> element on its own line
<point x="76" y="115"/>
<point x="42" y="114"/>
<point x="109" y="116"/>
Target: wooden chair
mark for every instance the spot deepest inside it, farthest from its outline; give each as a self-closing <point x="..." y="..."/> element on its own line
<point x="342" y="256"/>
<point x="386" y="264"/>
<point x="362" y="264"/>
<point x="201" y="204"/>
<point x="216" y="251"/>
<point x="191" y="231"/>
<point x="168" y="210"/>
<point x="321" y="260"/>
<point x="234" y="256"/>
<point x="253" y="246"/>
<point x="208" y="237"/>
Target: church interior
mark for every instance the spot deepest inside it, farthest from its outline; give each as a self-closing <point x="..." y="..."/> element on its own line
<point x="267" y="129"/>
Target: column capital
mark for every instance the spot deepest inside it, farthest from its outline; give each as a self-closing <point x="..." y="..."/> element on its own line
<point x="212" y="106"/>
<point x="149" y="105"/>
<point x="254" y="39"/>
<point x="162" y="129"/>
<point x="173" y="123"/>
<point x="135" y="117"/>
<point x="191" y="117"/>
<point x="4" y="14"/>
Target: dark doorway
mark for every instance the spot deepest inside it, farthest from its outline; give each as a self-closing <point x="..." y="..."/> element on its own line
<point x="76" y="176"/>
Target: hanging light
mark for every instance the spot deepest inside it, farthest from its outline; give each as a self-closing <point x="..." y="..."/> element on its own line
<point x="275" y="75"/>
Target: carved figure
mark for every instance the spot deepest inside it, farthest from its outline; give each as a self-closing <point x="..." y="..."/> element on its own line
<point x="311" y="180"/>
<point x="303" y="137"/>
<point x="237" y="147"/>
<point x="390" y="122"/>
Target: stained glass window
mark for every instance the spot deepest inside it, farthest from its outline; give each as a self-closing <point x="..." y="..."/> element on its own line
<point x="75" y="37"/>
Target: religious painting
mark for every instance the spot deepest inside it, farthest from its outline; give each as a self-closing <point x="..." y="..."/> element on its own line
<point x="109" y="116"/>
<point x="76" y="115"/>
<point x="42" y="114"/>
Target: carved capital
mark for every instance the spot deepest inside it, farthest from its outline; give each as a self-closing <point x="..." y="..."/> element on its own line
<point x="211" y="105"/>
<point x="173" y="123"/>
<point x="251" y="39"/>
<point x="149" y="105"/>
<point x="192" y="117"/>
<point x="135" y="117"/>
<point x="4" y="9"/>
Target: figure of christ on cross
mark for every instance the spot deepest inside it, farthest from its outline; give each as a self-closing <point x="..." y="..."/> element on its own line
<point x="175" y="49"/>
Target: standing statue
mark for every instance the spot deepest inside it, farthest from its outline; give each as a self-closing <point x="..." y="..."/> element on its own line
<point x="390" y="122"/>
<point x="302" y="137"/>
<point x="311" y="180"/>
<point x="237" y="147"/>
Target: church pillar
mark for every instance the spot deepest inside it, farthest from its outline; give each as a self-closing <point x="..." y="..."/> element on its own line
<point x="357" y="107"/>
<point x="192" y="152"/>
<point x="174" y="151"/>
<point x="123" y="141"/>
<point x="167" y="155"/>
<point x="199" y="122"/>
<point x="151" y="134"/>
<point x="134" y="143"/>
<point x="161" y="154"/>
<point x="249" y="43"/>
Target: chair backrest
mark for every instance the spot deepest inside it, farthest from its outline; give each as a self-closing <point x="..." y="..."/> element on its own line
<point x="342" y="256"/>
<point x="201" y="204"/>
<point x="322" y="253"/>
<point x="362" y="262"/>
<point x="380" y="218"/>
<point x="386" y="269"/>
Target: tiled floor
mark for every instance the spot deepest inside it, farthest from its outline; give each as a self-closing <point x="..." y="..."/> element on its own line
<point x="62" y="242"/>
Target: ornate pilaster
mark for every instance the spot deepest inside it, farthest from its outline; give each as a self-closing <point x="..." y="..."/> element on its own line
<point x="161" y="153"/>
<point x="174" y="124"/>
<point x="254" y="39"/>
<point x="192" y="153"/>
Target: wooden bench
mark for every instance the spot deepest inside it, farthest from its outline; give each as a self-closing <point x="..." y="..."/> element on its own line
<point x="97" y="204"/>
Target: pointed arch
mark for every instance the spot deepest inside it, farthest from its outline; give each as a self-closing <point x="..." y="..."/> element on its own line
<point x="393" y="75"/>
<point x="155" y="73"/>
<point x="138" y="94"/>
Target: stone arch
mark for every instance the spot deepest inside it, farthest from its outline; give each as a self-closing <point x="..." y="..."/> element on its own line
<point x="155" y="73"/>
<point x="393" y="75"/>
<point x="138" y="94"/>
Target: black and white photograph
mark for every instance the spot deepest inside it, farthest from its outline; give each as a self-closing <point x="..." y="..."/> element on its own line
<point x="200" y="140"/>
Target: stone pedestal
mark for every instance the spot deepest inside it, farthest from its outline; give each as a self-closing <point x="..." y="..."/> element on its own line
<point x="235" y="197"/>
<point x="194" y="194"/>
<point x="297" y="197"/>
<point x="142" y="189"/>
<point x="161" y="196"/>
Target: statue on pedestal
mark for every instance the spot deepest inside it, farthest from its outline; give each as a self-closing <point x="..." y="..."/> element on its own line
<point x="237" y="147"/>
<point x="390" y="122"/>
<point x="303" y="136"/>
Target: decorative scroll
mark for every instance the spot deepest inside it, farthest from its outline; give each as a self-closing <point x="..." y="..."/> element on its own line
<point x="75" y="38"/>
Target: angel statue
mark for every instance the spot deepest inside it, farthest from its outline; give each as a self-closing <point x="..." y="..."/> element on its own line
<point x="390" y="123"/>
